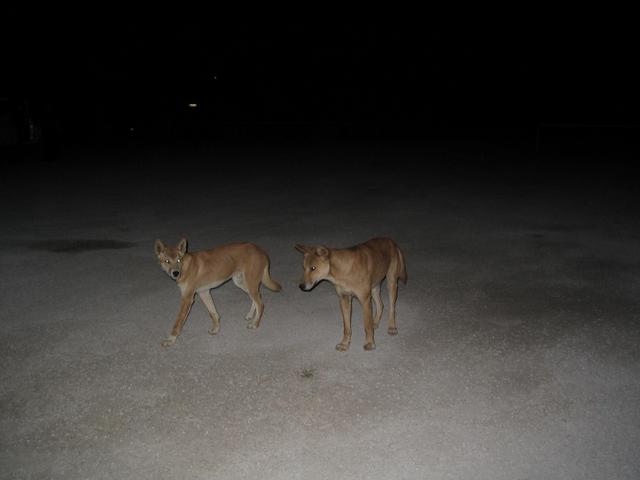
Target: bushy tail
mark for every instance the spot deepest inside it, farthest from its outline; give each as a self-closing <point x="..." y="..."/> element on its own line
<point x="402" y="271"/>
<point x="269" y="282"/>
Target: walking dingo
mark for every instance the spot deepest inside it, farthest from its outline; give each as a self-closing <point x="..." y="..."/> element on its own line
<point x="198" y="272"/>
<point x="358" y="272"/>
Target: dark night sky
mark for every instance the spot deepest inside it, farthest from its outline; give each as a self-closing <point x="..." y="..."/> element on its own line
<point x="104" y="77"/>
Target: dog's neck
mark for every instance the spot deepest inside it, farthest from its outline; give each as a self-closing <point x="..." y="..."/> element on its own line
<point x="337" y="269"/>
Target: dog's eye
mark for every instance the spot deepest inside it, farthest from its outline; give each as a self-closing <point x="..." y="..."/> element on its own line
<point x="166" y="261"/>
<point x="313" y="268"/>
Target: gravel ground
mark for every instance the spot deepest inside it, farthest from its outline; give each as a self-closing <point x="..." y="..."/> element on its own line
<point x="517" y="354"/>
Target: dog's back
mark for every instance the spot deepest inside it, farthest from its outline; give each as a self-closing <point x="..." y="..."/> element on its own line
<point x="385" y="253"/>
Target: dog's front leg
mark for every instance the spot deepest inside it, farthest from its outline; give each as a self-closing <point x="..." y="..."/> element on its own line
<point x="205" y="296"/>
<point x="345" y="306"/>
<point x="367" y="313"/>
<point x="185" y="307"/>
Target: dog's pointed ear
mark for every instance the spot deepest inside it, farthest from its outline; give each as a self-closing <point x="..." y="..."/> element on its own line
<point x="322" y="251"/>
<point x="301" y="248"/>
<point x="159" y="247"/>
<point x="182" y="246"/>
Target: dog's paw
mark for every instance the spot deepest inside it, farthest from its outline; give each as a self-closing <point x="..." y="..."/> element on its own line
<point x="169" y="341"/>
<point x="392" y="331"/>
<point x="369" y="346"/>
<point x="252" y="325"/>
<point x="342" y="347"/>
<point x="214" y="331"/>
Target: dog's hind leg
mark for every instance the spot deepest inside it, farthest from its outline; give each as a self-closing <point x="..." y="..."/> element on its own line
<point x="345" y="307"/>
<point x="369" y="342"/>
<point x="252" y="312"/>
<point x="392" y="285"/>
<point x="205" y="296"/>
<point x="250" y="283"/>
<point x="257" y="306"/>
<point x="375" y="293"/>
<point x="238" y="279"/>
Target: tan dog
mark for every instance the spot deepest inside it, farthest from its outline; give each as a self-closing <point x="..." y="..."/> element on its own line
<point x="357" y="272"/>
<point x="198" y="272"/>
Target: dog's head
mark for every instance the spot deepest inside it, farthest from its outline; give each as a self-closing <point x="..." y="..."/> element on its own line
<point x="315" y="264"/>
<point x="170" y="258"/>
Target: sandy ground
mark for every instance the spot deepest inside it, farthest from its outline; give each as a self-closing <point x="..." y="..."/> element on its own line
<point x="517" y="355"/>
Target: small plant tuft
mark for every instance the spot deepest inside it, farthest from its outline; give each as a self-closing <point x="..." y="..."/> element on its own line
<point x="307" y="372"/>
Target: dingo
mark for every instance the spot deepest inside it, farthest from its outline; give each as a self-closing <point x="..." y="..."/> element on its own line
<point x="198" y="272"/>
<point x="357" y="271"/>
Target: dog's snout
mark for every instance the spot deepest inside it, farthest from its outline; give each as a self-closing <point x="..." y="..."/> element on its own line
<point x="175" y="274"/>
<point x="303" y="287"/>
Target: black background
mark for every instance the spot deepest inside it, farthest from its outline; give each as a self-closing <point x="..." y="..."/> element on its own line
<point x="110" y="77"/>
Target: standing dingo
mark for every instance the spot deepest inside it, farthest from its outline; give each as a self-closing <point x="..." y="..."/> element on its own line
<point x="358" y="272"/>
<point x="198" y="272"/>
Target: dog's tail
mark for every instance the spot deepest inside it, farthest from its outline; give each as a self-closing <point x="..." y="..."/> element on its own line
<point x="269" y="282"/>
<point x="402" y="270"/>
